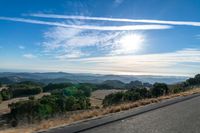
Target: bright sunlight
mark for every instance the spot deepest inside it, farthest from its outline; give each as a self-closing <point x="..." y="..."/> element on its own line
<point x="130" y="43"/>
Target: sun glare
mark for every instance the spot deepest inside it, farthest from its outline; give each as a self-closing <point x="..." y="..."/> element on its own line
<point x="130" y="43"/>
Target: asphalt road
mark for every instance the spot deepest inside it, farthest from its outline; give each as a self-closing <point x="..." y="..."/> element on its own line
<point x="182" y="117"/>
<point x="179" y="115"/>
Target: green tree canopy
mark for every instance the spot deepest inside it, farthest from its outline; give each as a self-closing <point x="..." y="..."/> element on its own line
<point x="159" y="89"/>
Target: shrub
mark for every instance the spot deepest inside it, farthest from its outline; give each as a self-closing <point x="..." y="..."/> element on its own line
<point x="159" y="89"/>
<point x="26" y="91"/>
<point x="6" y="94"/>
<point x="50" y="87"/>
<point x="130" y="95"/>
<point x="26" y="88"/>
<point x="46" y="107"/>
<point x="79" y="90"/>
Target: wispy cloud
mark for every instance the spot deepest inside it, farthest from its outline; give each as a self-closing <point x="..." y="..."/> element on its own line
<point x="152" y="21"/>
<point x="74" y="43"/>
<point x="90" y="27"/>
<point x="71" y="43"/>
<point x="29" y="56"/>
<point x="151" y="64"/>
<point x="71" y="55"/>
<point x="159" y="63"/>
<point x="185" y="55"/>
<point x="21" y="47"/>
<point x="118" y="2"/>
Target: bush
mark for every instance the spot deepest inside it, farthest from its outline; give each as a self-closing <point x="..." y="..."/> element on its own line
<point x="130" y="95"/>
<point x="79" y="90"/>
<point x="26" y="91"/>
<point x="50" y="87"/>
<point x="6" y="94"/>
<point x="114" y="98"/>
<point x="193" y="81"/>
<point x="159" y="89"/>
<point x="26" y="88"/>
<point x="46" y="107"/>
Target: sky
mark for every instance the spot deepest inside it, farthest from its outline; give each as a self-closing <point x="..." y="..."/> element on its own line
<point x="129" y="37"/>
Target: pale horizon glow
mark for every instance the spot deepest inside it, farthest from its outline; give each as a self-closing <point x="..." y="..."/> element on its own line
<point x="150" y="64"/>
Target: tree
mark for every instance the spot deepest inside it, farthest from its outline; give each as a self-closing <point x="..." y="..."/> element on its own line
<point x="86" y="88"/>
<point x="114" y="98"/>
<point x="45" y="107"/>
<point x="50" y="87"/>
<point x="191" y="81"/>
<point x="6" y="94"/>
<point x="144" y="93"/>
<point x="197" y="78"/>
<point x="0" y="84"/>
<point x="159" y="89"/>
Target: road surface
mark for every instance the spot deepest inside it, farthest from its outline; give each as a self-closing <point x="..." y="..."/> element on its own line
<point x="183" y="117"/>
<point x="180" y="115"/>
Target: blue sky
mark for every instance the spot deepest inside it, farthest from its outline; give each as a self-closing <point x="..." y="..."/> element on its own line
<point x="152" y="37"/>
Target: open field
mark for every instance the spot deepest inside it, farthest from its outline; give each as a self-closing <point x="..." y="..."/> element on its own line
<point x="98" y="96"/>
<point x="46" y="124"/>
<point x="4" y="105"/>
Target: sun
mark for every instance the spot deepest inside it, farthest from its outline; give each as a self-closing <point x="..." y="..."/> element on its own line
<point x="130" y="43"/>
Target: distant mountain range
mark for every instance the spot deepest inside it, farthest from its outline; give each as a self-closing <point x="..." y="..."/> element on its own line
<point x="61" y="77"/>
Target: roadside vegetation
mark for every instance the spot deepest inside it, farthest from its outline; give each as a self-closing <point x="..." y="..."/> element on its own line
<point x="157" y="90"/>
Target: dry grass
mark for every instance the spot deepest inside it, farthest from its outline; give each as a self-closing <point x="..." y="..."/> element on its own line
<point x="94" y="113"/>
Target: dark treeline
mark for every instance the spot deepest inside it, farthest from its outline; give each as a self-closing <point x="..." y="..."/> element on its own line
<point x="21" y="89"/>
<point x="51" y="87"/>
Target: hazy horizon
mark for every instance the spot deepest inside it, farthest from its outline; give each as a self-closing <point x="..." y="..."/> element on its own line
<point x="84" y="73"/>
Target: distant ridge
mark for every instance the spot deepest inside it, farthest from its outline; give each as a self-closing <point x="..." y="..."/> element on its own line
<point x="60" y="77"/>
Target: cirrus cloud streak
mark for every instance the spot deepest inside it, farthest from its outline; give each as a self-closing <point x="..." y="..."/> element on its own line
<point x="90" y="27"/>
<point x="152" y="21"/>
